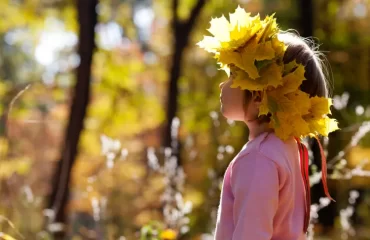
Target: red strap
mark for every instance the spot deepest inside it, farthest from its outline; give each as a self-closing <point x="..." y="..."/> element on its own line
<point x="307" y="185"/>
<point x="323" y="171"/>
<point x="303" y="153"/>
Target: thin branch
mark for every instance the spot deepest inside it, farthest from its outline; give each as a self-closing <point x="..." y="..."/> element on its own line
<point x="8" y="111"/>
<point x="17" y="96"/>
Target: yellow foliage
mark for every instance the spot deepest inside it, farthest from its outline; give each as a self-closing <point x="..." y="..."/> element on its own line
<point x="19" y="15"/>
<point x="132" y="169"/>
<point x="357" y="155"/>
<point x="69" y="15"/>
<point x="194" y="196"/>
<point x="81" y="205"/>
<point x="20" y="166"/>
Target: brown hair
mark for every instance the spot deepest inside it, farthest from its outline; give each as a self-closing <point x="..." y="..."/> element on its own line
<point x="305" y="51"/>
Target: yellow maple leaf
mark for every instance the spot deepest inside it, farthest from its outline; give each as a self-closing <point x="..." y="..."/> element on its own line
<point x="265" y="51"/>
<point x="210" y="44"/>
<point x="289" y="67"/>
<point x="278" y="46"/>
<point x="293" y="80"/>
<point x="243" y="28"/>
<point x="243" y="58"/>
<point x="300" y="126"/>
<point x="229" y="36"/>
<point x="323" y="126"/>
<point x="226" y="68"/>
<point x="320" y="106"/>
<point x="269" y="28"/>
<point x="287" y="125"/>
<point x="280" y="122"/>
<point x="301" y="100"/>
<point x="273" y="102"/>
<point x="270" y="77"/>
<point x="219" y="29"/>
<point x="239" y="19"/>
<point x="332" y="124"/>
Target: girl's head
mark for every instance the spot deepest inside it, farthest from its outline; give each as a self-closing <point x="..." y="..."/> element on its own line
<point x="243" y="105"/>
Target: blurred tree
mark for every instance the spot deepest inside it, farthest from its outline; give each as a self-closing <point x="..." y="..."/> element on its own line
<point x="306" y="19"/>
<point x="181" y="30"/>
<point x="60" y="190"/>
<point x="131" y="73"/>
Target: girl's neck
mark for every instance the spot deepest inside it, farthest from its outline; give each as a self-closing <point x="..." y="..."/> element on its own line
<point x="256" y="128"/>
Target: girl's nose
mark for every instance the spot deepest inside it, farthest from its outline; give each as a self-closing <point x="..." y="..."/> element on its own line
<point x="221" y="85"/>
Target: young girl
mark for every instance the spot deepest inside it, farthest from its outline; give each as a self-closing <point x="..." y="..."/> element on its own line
<point x="277" y="86"/>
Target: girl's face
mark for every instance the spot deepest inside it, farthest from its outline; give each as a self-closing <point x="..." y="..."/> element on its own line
<point x="234" y="105"/>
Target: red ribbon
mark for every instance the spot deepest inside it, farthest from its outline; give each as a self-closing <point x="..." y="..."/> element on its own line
<point x="303" y="153"/>
<point x="323" y="170"/>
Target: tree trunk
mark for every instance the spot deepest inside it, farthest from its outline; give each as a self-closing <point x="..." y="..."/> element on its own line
<point x="60" y="192"/>
<point x="306" y="10"/>
<point x="182" y="31"/>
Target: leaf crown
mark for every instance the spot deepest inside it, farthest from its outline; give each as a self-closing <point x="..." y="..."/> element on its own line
<point x="249" y="49"/>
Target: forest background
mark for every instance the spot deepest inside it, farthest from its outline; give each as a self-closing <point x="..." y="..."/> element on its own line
<point x="110" y="125"/>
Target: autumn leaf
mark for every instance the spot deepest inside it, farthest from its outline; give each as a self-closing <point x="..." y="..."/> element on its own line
<point x="283" y="129"/>
<point x="278" y="46"/>
<point x="301" y="100"/>
<point x="219" y="29"/>
<point x="243" y="58"/>
<point x="289" y="67"/>
<point x="276" y="102"/>
<point x="320" y="106"/>
<point x="300" y="126"/>
<point x="293" y="80"/>
<point x="229" y="36"/>
<point x="265" y="51"/>
<point x="287" y="125"/>
<point x="323" y="126"/>
<point x="270" y="76"/>
<point x="226" y="68"/>
<point x="243" y="27"/>
<point x="269" y="29"/>
<point x="210" y="44"/>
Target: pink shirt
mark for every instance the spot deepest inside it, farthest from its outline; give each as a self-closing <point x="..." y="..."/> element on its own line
<point x="263" y="196"/>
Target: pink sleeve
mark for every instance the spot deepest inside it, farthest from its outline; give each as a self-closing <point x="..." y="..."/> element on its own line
<point x="255" y="186"/>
